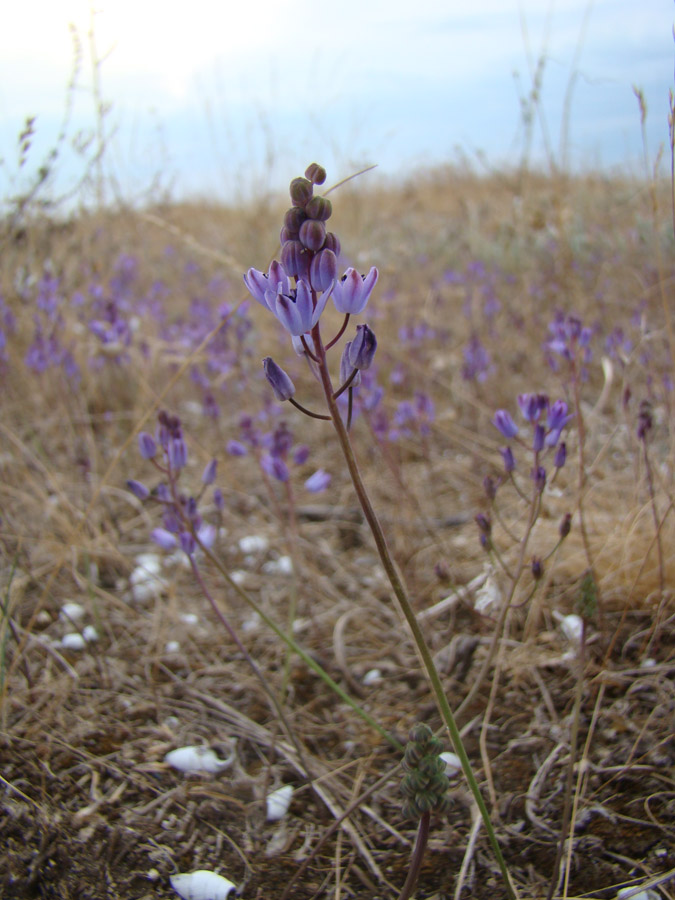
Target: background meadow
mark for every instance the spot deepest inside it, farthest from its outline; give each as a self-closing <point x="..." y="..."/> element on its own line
<point x="492" y="285"/>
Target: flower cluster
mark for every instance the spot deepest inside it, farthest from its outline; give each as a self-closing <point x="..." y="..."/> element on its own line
<point x="183" y="525"/>
<point x="276" y="451"/>
<point x="425" y="784"/>
<point x="296" y="288"/>
<point x="547" y="421"/>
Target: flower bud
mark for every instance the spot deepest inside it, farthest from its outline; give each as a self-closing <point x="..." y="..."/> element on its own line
<point x="312" y="234"/>
<point x="504" y="422"/>
<point x="490" y="487"/>
<point x="301" y="191"/>
<point x="332" y="243"/>
<point x="484" y="523"/>
<point x="323" y="270"/>
<point x="147" y="445"/>
<point x="209" y="474"/>
<point x="282" y="385"/>
<point x="560" y="455"/>
<point x="362" y="350"/>
<point x="138" y="489"/>
<point x="293" y="219"/>
<point x="538" y="438"/>
<point x="565" y="526"/>
<point x="295" y="259"/>
<point x="537" y="568"/>
<point x="315" y="173"/>
<point x="539" y="478"/>
<point x="509" y="459"/>
<point x="319" y="208"/>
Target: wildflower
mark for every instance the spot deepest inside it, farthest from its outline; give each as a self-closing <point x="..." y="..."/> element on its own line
<point x="209" y="475"/>
<point x="295" y="309"/>
<point x="509" y="459"/>
<point x="539" y="477"/>
<point x="352" y="291"/>
<point x="275" y="467"/>
<point x="538" y="438"/>
<point x="323" y="270"/>
<point x="282" y="385"/>
<point x="147" y="445"/>
<point x="318" y="482"/>
<point x="138" y="489"/>
<point x="532" y="405"/>
<point x="259" y="284"/>
<point x="560" y="455"/>
<point x="557" y="418"/>
<point x="363" y="348"/>
<point x="165" y="539"/>
<point x="504" y="422"/>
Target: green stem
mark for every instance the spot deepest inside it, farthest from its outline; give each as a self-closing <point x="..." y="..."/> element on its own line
<point x="404" y="603"/>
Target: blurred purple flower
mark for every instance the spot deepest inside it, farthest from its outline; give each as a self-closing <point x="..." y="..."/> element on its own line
<point x="318" y="482"/>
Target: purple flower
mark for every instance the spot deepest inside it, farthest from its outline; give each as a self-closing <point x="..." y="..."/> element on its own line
<point x="177" y="453"/>
<point x="363" y="347"/>
<point x="509" y="459"/>
<point x="532" y="405"/>
<point x="209" y="475"/>
<point x="323" y="270"/>
<point x="282" y="385"/>
<point x="504" y="422"/>
<point x="318" y="482"/>
<point x="275" y="467"/>
<point x="259" y="284"/>
<point x="556" y="419"/>
<point x="477" y="362"/>
<point x="295" y="309"/>
<point x="147" y="445"/>
<point x="236" y="448"/>
<point x="560" y="455"/>
<point x="138" y="489"/>
<point x="538" y="438"/>
<point x="539" y="477"/>
<point x="352" y="291"/>
<point x="164" y="538"/>
<point x="301" y="455"/>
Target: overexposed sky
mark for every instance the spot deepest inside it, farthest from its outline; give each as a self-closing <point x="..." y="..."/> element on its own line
<point x="214" y="91"/>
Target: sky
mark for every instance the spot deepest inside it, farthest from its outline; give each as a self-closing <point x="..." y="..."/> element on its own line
<point x="219" y="98"/>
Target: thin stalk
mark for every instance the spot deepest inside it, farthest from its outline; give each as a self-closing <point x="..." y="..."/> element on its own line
<point x="417" y="857"/>
<point x="404" y="603"/>
<point x="571" y="762"/>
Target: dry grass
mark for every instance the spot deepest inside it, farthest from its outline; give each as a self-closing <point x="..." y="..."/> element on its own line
<point x="89" y="808"/>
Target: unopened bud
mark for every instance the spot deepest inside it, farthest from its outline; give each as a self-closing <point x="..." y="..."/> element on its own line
<point x="362" y="350"/>
<point x="315" y="173"/>
<point x="332" y="243"/>
<point x="293" y="219"/>
<point x="295" y="259"/>
<point x="312" y="234"/>
<point x="323" y="270"/>
<point x="301" y="191"/>
<point x="282" y="385"/>
<point x="319" y="208"/>
<point x="565" y="526"/>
